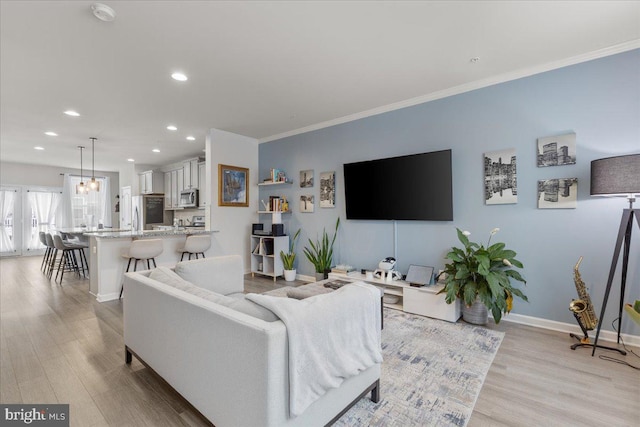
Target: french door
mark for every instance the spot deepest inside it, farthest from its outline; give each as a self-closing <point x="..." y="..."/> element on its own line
<point x="24" y="213"/>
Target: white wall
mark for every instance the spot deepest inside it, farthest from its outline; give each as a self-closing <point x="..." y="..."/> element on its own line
<point x="233" y="223"/>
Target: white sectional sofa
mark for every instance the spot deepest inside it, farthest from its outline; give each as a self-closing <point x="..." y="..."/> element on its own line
<point x="229" y="360"/>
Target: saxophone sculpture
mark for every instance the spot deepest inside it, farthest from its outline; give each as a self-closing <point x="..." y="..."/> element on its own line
<point x="582" y="308"/>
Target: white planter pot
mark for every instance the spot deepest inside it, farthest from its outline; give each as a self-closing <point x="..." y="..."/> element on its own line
<point x="290" y="275"/>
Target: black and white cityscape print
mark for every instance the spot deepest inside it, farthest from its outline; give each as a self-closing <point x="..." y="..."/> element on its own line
<point x="557" y="150"/>
<point x="500" y="181"/>
<point x="306" y="203"/>
<point x="558" y="193"/>
<point x="306" y="178"/>
<point x="328" y="189"/>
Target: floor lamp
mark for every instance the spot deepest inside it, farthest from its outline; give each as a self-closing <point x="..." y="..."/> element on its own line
<point x="617" y="176"/>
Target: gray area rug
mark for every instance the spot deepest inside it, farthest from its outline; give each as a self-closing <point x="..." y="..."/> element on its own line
<point x="431" y="375"/>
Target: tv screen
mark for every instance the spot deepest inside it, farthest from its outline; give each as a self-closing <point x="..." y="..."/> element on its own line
<point x="416" y="187"/>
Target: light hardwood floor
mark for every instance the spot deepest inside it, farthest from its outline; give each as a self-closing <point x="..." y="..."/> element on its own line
<point x="58" y="345"/>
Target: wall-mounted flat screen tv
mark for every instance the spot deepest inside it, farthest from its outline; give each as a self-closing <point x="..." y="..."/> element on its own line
<point x="415" y="187"/>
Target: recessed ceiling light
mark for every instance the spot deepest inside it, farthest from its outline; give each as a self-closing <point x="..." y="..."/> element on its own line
<point x="72" y="113"/>
<point x="103" y="12"/>
<point x="38" y="148"/>
<point x="191" y="138"/>
<point x="130" y="160"/>
<point x="172" y="127"/>
<point x="51" y="133"/>
<point x="155" y="150"/>
<point x="179" y="77"/>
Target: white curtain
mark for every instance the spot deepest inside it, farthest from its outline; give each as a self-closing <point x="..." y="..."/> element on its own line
<point x="64" y="212"/>
<point x="88" y="209"/>
<point x="7" y="199"/>
<point x="43" y="204"/>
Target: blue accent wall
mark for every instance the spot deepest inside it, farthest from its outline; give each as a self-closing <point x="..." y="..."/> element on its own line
<point x="598" y="100"/>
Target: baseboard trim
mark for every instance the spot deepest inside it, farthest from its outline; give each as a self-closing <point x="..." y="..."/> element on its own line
<point x="107" y="297"/>
<point x="552" y="325"/>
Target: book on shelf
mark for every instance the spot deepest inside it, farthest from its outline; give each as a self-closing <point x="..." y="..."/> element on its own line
<point x="264" y="247"/>
<point x="278" y="175"/>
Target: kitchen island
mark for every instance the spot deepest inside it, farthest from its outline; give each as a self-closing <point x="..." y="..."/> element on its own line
<point x="107" y="266"/>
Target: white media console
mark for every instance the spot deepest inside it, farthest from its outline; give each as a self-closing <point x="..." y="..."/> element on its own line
<point x="423" y="300"/>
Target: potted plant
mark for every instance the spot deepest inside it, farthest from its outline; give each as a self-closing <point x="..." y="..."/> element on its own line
<point x="481" y="277"/>
<point x="289" y="258"/>
<point x="320" y="253"/>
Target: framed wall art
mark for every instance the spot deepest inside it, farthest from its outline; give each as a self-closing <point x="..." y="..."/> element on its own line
<point x="500" y="178"/>
<point x="557" y="150"/>
<point x="232" y="186"/>
<point x="328" y="189"/>
<point x="306" y="178"/>
<point x="559" y="193"/>
<point x="306" y="203"/>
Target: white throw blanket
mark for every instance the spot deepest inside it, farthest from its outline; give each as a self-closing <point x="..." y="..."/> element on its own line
<point x="332" y="337"/>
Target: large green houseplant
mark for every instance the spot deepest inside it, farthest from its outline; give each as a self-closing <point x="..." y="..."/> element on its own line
<point x="289" y="258"/>
<point x="479" y="274"/>
<point x="320" y="252"/>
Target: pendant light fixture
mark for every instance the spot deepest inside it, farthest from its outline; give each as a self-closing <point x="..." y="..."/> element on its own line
<point x="93" y="184"/>
<point x="81" y="188"/>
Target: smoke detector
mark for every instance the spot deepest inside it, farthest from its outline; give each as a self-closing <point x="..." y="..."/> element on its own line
<point x="103" y="12"/>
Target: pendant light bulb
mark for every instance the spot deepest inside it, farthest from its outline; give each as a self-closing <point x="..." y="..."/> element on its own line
<point x="93" y="184"/>
<point x="81" y="188"/>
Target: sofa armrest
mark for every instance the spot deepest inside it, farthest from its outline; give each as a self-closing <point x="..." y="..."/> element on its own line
<point x="205" y="350"/>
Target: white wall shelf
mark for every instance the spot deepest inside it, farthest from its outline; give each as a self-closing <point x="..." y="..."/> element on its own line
<point x="261" y="184"/>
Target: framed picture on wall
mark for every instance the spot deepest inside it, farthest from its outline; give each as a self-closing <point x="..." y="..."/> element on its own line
<point x="559" y="193"/>
<point x="306" y="178"/>
<point x="232" y="186"/>
<point x="557" y="150"/>
<point x="328" y="189"/>
<point x="306" y="203"/>
<point x="500" y="181"/>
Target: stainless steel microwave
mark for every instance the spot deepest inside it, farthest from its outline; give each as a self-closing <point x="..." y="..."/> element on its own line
<point x="189" y="198"/>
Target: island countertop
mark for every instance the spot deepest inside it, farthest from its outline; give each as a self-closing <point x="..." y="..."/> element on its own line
<point x="183" y="231"/>
<point x="107" y="264"/>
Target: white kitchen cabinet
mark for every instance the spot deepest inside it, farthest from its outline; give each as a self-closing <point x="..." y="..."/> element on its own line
<point x="168" y="193"/>
<point x="190" y="174"/>
<point x="202" y="185"/>
<point x="151" y="182"/>
<point x="175" y="187"/>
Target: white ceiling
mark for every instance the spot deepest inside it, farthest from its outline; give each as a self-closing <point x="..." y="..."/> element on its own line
<point x="263" y="69"/>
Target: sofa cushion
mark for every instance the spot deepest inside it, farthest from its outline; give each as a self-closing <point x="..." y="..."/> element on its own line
<point x="223" y="274"/>
<point x="236" y="302"/>
<point x="299" y="293"/>
<point x="168" y="277"/>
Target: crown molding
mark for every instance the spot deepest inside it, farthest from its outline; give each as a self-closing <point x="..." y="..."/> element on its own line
<point x="467" y="87"/>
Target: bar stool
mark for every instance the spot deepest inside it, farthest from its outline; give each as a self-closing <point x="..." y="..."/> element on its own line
<point x="68" y="260"/>
<point x="195" y="245"/>
<point x="47" y="252"/>
<point x="141" y="250"/>
<point x="53" y="253"/>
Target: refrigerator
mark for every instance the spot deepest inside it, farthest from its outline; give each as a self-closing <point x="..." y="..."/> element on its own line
<point x="147" y="211"/>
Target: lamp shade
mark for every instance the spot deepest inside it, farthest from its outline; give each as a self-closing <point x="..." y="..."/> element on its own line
<point x="618" y="175"/>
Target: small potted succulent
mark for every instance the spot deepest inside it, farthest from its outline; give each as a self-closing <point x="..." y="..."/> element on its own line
<point x="481" y="277"/>
<point x="289" y="258"/>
